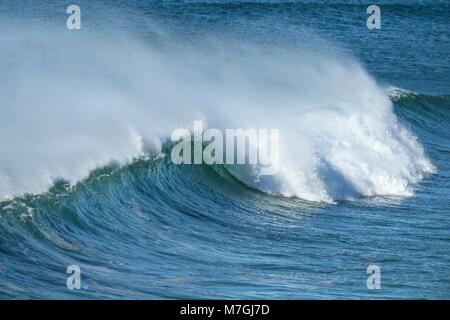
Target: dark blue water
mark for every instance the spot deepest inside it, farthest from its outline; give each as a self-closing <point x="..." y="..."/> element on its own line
<point x="152" y="229"/>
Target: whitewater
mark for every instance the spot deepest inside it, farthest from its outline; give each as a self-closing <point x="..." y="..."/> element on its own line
<point x="90" y="102"/>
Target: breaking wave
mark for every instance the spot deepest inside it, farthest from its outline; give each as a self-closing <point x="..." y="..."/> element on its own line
<point x="70" y="106"/>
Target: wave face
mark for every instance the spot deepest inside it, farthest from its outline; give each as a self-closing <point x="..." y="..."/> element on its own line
<point x="86" y="178"/>
<point x="82" y="108"/>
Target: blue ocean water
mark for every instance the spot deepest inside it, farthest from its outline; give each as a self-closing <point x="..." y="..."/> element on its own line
<point x="85" y="176"/>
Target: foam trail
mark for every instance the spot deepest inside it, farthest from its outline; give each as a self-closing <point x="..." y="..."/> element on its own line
<point x="68" y="107"/>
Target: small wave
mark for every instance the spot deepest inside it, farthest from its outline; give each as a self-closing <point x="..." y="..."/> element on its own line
<point x="396" y="93"/>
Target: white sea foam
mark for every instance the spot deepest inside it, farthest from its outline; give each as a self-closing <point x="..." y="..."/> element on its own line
<point x="396" y="93"/>
<point x="70" y="104"/>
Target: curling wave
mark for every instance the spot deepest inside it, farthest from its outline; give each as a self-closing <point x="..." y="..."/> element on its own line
<point x="66" y="112"/>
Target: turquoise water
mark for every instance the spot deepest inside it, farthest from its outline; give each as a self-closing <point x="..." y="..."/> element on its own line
<point x="86" y="178"/>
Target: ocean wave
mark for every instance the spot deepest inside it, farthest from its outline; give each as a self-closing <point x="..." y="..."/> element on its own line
<point x="67" y="112"/>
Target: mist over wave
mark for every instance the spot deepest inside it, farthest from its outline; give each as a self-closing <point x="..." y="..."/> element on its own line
<point x="72" y="103"/>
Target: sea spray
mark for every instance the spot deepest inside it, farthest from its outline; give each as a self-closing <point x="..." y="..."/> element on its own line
<point x="67" y="109"/>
